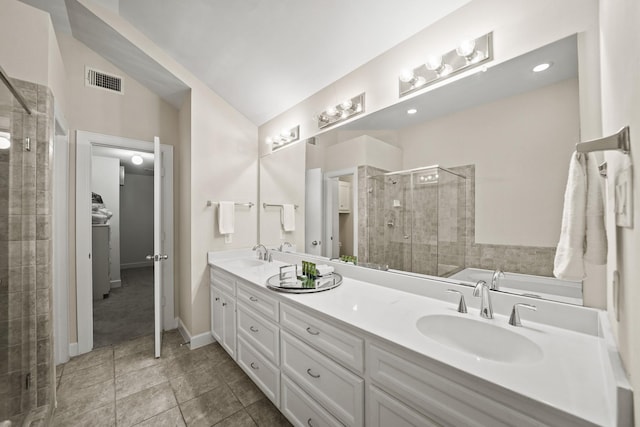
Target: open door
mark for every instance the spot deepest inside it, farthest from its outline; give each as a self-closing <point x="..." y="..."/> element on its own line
<point x="158" y="250"/>
<point x="332" y="230"/>
<point x="313" y="212"/>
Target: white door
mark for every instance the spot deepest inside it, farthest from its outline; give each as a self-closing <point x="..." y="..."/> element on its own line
<point x="313" y="212"/>
<point x="332" y="230"/>
<point x="158" y="255"/>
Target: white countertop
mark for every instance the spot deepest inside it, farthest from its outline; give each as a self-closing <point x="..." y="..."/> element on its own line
<point x="572" y="375"/>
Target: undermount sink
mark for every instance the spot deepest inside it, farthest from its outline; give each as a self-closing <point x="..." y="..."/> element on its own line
<point x="480" y="339"/>
<point x="246" y="262"/>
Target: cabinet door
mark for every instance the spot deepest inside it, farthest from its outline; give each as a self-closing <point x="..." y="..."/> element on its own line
<point x="383" y="410"/>
<point x="216" y="313"/>
<point x="229" y="324"/>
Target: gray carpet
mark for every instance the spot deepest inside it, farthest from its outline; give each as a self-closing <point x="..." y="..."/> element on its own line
<point x="128" y="312"/>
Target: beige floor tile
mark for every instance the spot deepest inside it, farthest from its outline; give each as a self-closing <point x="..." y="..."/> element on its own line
<point x="211" y="407"/>
<point x="135" y="361"/>
<point x="86" y="377"/>
<point x="230" y="371"/>
<point x="100" y="417"/>
<point x="137" y="345"/>
<point x="246" y="391"/>
<point x="85" y="399"/>
<point x="266" y="415"/>
<point x="217" y="354"/>
<point x="194" y="383"/>
<point x="87" y="360"/>
<point x="144" y="404"/>
<point x="133" y="382"/>
<point x="170" y="418"/>
<point x="180" y="365"/>
<point x="239" y="419"/>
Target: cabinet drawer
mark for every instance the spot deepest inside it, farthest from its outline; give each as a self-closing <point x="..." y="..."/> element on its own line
<point x="383" y="410"/>
<point x="301" y="409"/>
<point x="447" y="402"/>
<point x="259" y="332"/>
<point x="334" y="387"/>
<point x="258" y="301"/>
<point x="340" y="345"/>
<point x="260" y="370"/>
<point x="224" y="281"/>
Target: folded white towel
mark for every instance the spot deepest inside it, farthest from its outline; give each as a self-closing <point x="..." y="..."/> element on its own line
<point x="596" y="236"/>
<point x="226" y="217"/>
<point x="324" y="269"/>
<point x="288" y="217"/>
<point x="568" y="263"/>
<point x="582" y="236"/>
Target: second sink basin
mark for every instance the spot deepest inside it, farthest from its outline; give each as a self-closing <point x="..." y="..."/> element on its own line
<point x="479" y="338"/>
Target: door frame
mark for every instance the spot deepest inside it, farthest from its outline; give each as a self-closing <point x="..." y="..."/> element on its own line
<point x="354" y="204"/>
<point x="84" y="293"/>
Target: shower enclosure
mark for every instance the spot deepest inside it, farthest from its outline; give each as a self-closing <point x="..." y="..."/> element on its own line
<point x="27" y="375"/>
<point x="417" y="220"/>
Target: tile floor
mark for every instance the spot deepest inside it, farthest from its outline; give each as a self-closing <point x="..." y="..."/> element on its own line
<point x="124" y="385"/>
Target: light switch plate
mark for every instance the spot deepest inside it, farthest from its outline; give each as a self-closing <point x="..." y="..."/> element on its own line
<point x="624" y="198"/>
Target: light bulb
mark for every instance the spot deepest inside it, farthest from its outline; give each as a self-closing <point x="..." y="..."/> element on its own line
<point x="359" y="108"/>
<point x="541" y="67"/>
<point x="268" y="140"/>
<point x="434" y="62"/>
<point x="285" y="133"/>
<point x="331" y="111"/>
<point x="412" y="111"/>
<point x="136" y="159"/>
<point x="5" y="143"/>
<point x="345" y="114"/>
<point x="466" y="48"/>
<point x="346" y="104"/>
<point x="406" y="75"/>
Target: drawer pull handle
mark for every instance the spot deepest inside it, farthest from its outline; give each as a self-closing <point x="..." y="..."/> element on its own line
<point x="217" y="299"/>
<point x="254" y="299"/>
<point x="311" y="374"/>
<point x="252" y="329"/>
<point x="254" y="366"/>
<point x="312" y="332"/>
<point x="309" y="423"/>
<point x="224" y="304"/>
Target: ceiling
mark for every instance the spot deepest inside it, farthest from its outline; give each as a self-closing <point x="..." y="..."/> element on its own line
<point x="261" y="56"/>
<point x="146" y="168"/>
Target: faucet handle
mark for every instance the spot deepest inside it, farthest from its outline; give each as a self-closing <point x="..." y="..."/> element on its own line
<point x="514" y="319"/>
<point x="462" y="306"/>
<point x="477" y="290"/>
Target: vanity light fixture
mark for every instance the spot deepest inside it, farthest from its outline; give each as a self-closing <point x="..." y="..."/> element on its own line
<point x="412" y="111"/>
<point x="5" y="140"/>
<point x="469" y="54"/>
<point x="541" y="67"/>
<point x="136" y="159"/>
<point x="284" y="138"/>
<point x="345" y="110"/>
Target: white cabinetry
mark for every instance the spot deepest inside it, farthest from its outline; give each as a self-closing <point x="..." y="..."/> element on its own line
<point x="344" y="197"/>
<point x="223" y="311"/>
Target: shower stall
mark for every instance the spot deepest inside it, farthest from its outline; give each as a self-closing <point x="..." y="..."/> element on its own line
<point x="416" y="220"/>
<point x="27" y="374"/>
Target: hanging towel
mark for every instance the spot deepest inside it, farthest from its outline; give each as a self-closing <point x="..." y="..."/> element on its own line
<point x="582" y="236"/>
<point x="288" y="218"/>
<point x="596" y="236"/>
<point x="226" y="219"/>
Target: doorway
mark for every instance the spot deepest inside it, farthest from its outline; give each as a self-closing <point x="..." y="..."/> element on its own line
<point x="341" y="213"/>
<point x="87" y="145"/>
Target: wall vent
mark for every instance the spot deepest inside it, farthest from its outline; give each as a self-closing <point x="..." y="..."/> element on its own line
<point x="101" y="80"/>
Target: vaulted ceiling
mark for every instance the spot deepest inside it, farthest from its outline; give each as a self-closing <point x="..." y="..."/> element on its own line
<point x="265" y="56"/>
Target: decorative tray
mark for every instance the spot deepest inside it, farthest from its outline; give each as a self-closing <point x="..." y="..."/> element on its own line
<point x="293" y="284"/>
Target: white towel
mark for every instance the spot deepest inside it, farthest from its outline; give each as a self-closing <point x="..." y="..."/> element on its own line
<point x="288" y="218"/>
<point x="582" y="235"/>
<point x="226" y="217"/>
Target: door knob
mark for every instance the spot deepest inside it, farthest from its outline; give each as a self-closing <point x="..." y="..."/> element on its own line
<point x="164" y="256"/>
<point x="150" y="257"/>
<point x="316" y="243"/>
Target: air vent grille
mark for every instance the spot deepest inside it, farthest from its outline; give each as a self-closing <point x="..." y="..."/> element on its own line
<point x="102" y="80"/>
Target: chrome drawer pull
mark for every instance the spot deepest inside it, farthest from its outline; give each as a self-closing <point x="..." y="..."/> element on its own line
<point x="254" y="299"/>
<point x="254" y="366"/>
<point x="312" y="332"/>
<point x="311" y="374"/>
<point x="217" y="299"/>
<point x="309" y="423"/>
<point x="224" y="304"/>
<point x="252" y="329"/>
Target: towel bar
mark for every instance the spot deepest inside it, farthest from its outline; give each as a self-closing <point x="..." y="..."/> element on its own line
<point x="620" y="141"/>
<point x="249" y="204"/>
<point x="272" y="205"/>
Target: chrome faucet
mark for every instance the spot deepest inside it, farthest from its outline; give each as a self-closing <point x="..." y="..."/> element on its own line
<point x="262" y="251"/>
<point x="285" y="245"/>
<point x="482" y="290"/>
<point x="495" y="279"/>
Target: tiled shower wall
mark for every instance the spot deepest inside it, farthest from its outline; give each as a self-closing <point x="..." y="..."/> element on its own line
<point x="26" y="357"/>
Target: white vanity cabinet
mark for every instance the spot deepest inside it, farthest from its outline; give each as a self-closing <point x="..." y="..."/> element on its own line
<point x="223" y="311"/>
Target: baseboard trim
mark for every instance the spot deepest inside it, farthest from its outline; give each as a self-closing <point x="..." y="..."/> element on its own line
<point x="136" y="265"/>
<point x="195" y="341"/>
<point x="73" y="349"/>
<point x="115" y="283"/>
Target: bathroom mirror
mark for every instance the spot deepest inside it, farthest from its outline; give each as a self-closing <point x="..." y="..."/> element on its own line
<point x="471" y="182"/>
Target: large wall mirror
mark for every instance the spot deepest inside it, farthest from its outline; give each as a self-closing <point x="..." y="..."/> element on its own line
<point x="457" y="182"/>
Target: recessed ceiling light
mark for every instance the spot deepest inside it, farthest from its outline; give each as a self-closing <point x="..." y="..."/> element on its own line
<point x="412" y="111"/>
<point x="136" y="160"/>
<point x="541" y="67"/>
<point x="4" y="142"/>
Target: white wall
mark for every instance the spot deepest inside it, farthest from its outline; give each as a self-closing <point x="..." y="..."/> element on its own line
<point x="521" y="148"/>
<point x="136" y="221"/>
<point x="620" y="66"/>
<point x="362" y="150"/>
<point x="105" y="181"/>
